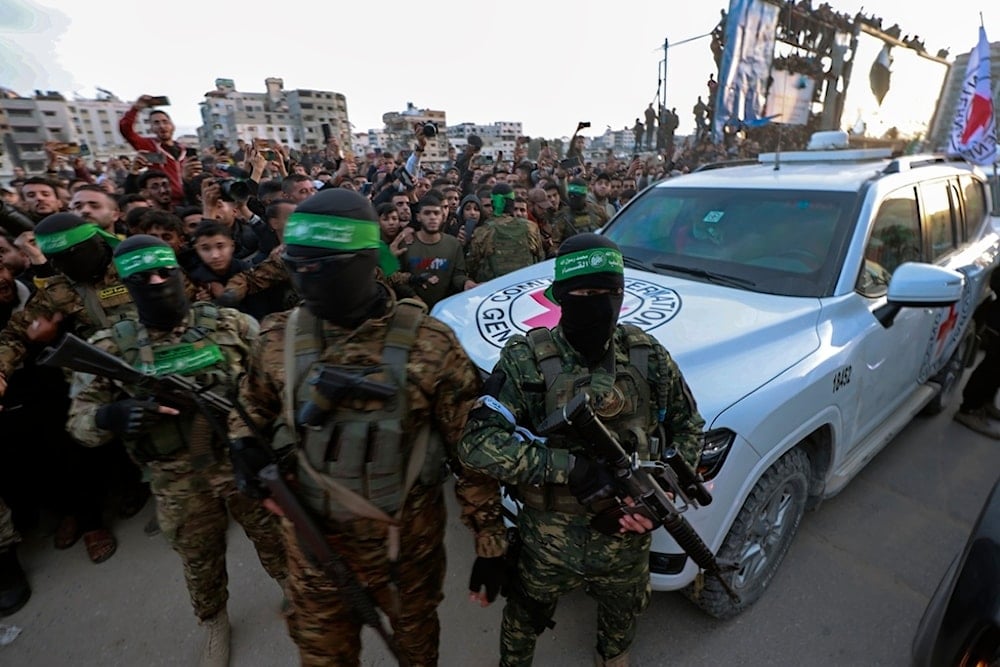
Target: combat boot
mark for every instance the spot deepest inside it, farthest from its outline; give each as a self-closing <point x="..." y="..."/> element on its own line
<point x="216" y="650"/>
<point x="14" y="589"/>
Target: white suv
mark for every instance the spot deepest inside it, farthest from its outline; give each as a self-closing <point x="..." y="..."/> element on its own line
<point x="815" y="302"/>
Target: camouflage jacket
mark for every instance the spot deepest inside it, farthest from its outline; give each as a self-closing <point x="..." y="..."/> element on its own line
<point x="235" y="333"/>
<point x="85" y="310"/>
<point x="487" y="259"/>
<point x="442" y="384"/>
<point x="270" y="272"/>
<point x="568" y="222"/>
<point x="490" y="446"/>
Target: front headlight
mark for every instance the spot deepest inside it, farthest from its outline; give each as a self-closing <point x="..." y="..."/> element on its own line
<point x="717" y="444"/>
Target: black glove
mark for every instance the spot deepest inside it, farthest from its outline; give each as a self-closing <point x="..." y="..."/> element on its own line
<point x="490" y="573"/>
<point x="590" y="482"/>
<point x="129" y="418"/>
<point x="249" y="456"/>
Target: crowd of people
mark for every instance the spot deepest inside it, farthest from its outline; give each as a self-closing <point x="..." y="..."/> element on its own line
<point x="293" y="270"/>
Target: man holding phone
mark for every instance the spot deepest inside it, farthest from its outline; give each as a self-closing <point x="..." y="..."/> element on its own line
<point x="160" y="144"/>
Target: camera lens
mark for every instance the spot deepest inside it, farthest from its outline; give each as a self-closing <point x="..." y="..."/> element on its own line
<point x="430" y="130"/>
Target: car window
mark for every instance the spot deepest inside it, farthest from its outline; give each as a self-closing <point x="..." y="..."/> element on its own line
<point x="895" y="239"/>
<point x="975" y="205"/>
<point x="940" y="216"/>
<point x="780" y="241"/>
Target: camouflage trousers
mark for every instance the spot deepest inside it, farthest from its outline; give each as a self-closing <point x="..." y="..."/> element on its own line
<point x="560" y="553"/>
<point x="191" y="507"/>
<point x="322" y="624"/>
<point x="8" y="536"/>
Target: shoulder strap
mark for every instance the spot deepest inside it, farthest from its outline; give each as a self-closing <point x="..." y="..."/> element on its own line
<point x="303" y="345"/>
<point x="546" y="354"/>
<point x="92" y="304"/>
<point x="639" y="348"/>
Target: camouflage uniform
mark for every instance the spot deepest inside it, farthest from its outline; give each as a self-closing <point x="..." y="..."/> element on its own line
<point x="191" y="498"/>
<point x="560" y="550"/>
<point x="85" y="309"/>
<point x="568" y="222"/>
<point x="8" y="534"/>
<point x="501" y="245"/>
<point x="269" y="273"/>
<point x="441" y="384"/>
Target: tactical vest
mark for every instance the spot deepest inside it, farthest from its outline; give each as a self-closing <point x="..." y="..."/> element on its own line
<point x="197" y="355"/>
<point x="508" y="247"/>
<point x="620" y="397"/>
<point x="360" y="463"/>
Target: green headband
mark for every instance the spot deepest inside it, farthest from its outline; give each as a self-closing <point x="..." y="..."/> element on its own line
<point x="577" y="189"/>
<point x="500" y="202"/>
<point x="595" y="260"/>
<point x="331" y="231"/>
<point x="145" y="259"/>
<point x="66" y="239"/>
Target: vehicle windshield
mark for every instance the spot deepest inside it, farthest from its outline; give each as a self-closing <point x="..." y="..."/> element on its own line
<point x="773" y="241"/>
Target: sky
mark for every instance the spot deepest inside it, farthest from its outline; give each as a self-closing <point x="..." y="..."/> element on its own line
<point x="545" y="64"/>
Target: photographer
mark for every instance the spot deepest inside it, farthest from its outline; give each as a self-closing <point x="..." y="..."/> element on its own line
<point x="161" y="143"/>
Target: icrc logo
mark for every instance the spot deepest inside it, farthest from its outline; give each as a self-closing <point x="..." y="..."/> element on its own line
<point x="518" y="308"/>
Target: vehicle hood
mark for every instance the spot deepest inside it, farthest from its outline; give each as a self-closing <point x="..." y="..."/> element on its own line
<point x="726" y="341"/>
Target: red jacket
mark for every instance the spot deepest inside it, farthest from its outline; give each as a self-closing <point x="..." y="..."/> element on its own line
<point x="171" y="165"/>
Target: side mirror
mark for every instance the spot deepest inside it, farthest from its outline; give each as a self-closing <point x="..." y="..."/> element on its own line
<point x="917" y="285"/>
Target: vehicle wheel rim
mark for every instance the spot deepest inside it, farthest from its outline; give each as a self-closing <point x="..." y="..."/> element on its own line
<point x="765" y="536"/>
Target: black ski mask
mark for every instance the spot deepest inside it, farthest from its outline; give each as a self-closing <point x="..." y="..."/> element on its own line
<point x="331" y="252"/>
<point x="339" y="288"/>
<point x="161" y="305"/>
<point x="86" y="262"/>
<point x="77" y="248"/>
<point x="588" y="322"/>
<point x="149" y="269"/>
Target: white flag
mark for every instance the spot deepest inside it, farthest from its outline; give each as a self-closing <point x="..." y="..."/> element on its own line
<point x="974" y="131"/>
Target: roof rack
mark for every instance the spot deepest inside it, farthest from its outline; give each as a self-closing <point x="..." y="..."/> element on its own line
<point x="908" y="162"/>
<point x="840" y="155"/>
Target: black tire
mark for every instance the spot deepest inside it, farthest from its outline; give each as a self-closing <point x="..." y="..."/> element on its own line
<point x="759" y="537"/>
<point x="950" y="376"/>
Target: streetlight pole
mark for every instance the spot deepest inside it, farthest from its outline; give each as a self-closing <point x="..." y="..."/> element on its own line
<point x="663" y="64"/>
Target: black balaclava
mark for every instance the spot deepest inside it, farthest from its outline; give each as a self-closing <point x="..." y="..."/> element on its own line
<point x="76" y="248"/>
<point x="331" y="252"/>
<point x="161" y="305"/>
<point x="576" y="194"/>
<point x="588" y="322"/>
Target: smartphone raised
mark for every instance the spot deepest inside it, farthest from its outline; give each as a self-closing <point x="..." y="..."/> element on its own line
<point x="159" y="101"/>
<point x="570" y="163"/>
<point x="153" y="157"/>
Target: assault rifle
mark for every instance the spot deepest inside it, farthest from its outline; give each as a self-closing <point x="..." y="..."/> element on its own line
<point x="328" y="385"/>
<point x="644" y="488"/>
<point x="77" y="355"/>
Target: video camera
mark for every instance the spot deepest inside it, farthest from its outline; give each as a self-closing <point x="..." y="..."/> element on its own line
<point x="429" y="129"/>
